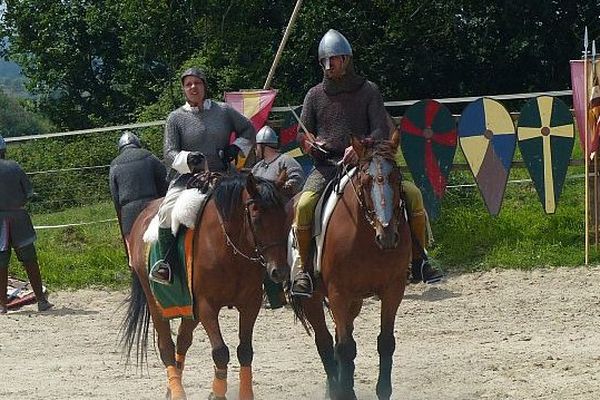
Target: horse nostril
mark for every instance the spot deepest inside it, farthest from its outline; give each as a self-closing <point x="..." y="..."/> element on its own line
<point x="277" y="275"/>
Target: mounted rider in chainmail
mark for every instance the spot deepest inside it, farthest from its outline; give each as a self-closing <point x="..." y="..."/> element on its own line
<point x="344" y="104"/>
<point x="197" y="137"/>
<point x="272" y="162"/>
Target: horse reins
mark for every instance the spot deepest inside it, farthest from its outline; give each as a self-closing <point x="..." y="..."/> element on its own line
<point x="369" y="214"/>
<point x="258" y="248"/>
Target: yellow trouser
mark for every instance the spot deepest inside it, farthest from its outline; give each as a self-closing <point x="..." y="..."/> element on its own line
<point x="305" y="210"/>
<point x="417" y="217"/>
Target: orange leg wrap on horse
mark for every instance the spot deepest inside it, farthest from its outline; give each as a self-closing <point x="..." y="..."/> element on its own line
<point x="174" y="383"/>
<point x="219" y="385"/>
<point x="179" y="361"/>
<point x="246" y="392"/>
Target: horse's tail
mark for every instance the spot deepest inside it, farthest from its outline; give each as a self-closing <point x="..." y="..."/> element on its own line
<point x="135" y="325"/>
<point x="298" y="307"/>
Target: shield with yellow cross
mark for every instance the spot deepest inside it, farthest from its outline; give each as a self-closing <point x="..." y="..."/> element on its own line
<point x="487" y="138"/>
<point x="546" y="136"/>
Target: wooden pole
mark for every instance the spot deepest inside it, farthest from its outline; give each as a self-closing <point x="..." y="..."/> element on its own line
<point x="586" y="146"/>
<point x="286" y="35"/>
<point x="595" y="175"/>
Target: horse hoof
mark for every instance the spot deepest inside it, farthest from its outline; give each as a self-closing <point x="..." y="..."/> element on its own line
<point x="169" y="396"/>
<point x="212" y="396"/>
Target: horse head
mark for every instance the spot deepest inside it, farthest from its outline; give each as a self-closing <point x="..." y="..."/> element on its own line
<point x="265" y="215"/>
<point x="378" y="190"/>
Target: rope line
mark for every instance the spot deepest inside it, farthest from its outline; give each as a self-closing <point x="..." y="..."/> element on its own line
<point x="555" y="93"/>
<point x="76" y="224"/>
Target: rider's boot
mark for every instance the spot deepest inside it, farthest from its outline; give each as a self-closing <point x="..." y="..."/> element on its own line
<point x="421" y="269"/>
<point x="33" y="273"/>
<point x="302" y="285"/>
<point x="161" y="271"/>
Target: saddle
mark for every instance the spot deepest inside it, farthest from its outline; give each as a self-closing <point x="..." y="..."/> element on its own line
<point x="325" y="206"/>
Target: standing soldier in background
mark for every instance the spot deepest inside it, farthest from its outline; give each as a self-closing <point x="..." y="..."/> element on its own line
<point x="136" y="177"/>
<point x="272" y="162"/>
<point x="16" y="229"/>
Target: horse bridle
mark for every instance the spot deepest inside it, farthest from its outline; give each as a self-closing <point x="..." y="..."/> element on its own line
<point x="370" y="215"/>
<point x="259" y="249"/>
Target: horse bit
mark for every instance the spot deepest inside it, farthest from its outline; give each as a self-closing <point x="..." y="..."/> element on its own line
<point x="258" y="248"/>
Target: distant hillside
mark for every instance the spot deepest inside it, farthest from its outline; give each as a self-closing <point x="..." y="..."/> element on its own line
<point x="11" y="80"/>
<point x="9" y="70"/>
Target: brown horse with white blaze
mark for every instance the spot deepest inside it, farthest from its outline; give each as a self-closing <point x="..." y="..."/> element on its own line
<point x="367" y="251"/>
<point x="240" y="234"/>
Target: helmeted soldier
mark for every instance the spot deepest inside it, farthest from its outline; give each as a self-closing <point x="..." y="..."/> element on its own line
<point x="344" y="104"/>
<point x="16" y="229"/>
<point x="272" y="162"/>
<point x="197" y="137"/>
<point x="136" y="177"/>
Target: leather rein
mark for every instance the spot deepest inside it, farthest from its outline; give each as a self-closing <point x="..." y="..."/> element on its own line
<point x="257" y="255"/>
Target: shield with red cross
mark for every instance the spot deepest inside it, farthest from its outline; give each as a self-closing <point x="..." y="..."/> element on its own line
<point x="428" y="140"/>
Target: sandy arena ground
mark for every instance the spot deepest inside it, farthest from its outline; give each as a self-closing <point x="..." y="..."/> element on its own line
<point x="495" y="335"/>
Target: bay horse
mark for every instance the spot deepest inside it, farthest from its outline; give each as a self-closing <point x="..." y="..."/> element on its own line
<point x="366" y="252"/>
<point x="241" y="232"/>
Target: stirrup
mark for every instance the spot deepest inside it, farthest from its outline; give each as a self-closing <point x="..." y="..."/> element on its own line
<point x="307" y="293"/>
<point x="157" y="273"/>
<point x="430" y="275"/>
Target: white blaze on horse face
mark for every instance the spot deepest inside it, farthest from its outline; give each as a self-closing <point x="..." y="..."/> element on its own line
<point x="382" y="192"/>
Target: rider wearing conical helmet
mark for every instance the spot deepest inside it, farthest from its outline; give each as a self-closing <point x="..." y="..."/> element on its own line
<point x="344" y="104"/>
<point x="272" y="162"/>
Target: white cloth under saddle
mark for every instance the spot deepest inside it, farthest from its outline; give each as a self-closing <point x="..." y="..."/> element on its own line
<point x="320" y="225"/>
<point x="188" y="206"/>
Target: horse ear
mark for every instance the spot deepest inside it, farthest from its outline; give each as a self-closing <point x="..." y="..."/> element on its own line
<point x="359" y="148"/>
<point x="395" y="140"/>
<point x="251" y="186"/>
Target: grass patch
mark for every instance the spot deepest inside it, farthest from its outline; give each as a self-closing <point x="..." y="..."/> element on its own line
<point x="522" y="236"/>
<point x="467" y="237"/>
<point x="79" y="256"/>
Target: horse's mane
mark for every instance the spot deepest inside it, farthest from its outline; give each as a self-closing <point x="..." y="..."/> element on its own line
<point x="228" y="191"/>
<point x="381" y="148"/>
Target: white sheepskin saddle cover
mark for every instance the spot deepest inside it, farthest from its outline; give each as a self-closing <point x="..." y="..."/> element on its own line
<point x="188" y="207"/>
<point x="320" y="225"/>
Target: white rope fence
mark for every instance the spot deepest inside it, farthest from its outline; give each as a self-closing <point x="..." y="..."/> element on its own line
<point x="516" y="96"/>
<point x="42" y="227"/>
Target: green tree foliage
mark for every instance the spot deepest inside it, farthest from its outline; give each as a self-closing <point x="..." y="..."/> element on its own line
<point x="99" y="62"/>
<point x="16" y="120"/>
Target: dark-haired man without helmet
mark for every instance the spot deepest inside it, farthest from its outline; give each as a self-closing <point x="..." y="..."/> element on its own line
<point x="136" y="177"/>
<point x="16" y="229"/>
<point x="344" y="104"/>
<point x="197" y="136"/>
<point x="272" y="162"/>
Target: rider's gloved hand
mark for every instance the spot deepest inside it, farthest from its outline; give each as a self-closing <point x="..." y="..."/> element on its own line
<point x="195" y="161"/>
<point x="230" y="152"/>
<point x="350" y="156"/>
